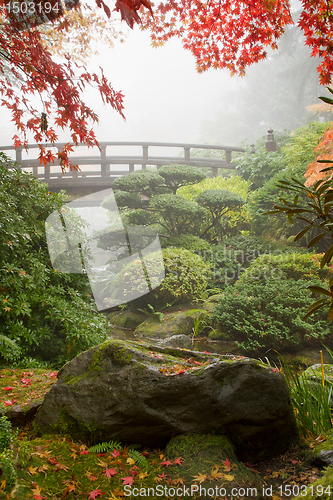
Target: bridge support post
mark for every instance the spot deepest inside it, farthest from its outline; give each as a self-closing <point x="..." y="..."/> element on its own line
<point x="18" y="156"/>
<point x="187" y="154"/>
<point x="228" y="156"/>
<point x="105" y="167"/>
<point x="144" y="156"/>
<point x="131" y="167"/>
<point x="215" y="171"/>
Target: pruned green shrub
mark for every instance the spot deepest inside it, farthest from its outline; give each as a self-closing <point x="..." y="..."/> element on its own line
<point x="176" y="176"/>
<point x="185" y="279"/>
<point x="269" y="315"/>
<point x="286" y="265"/>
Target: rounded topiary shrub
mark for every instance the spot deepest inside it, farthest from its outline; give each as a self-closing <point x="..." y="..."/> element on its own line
<point x="286" y="265"/>
<point x="189" y="242"/>
<point x="185" y="279"/>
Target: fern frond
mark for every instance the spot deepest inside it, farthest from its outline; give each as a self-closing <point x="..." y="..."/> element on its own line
<point x="101" y="447"/>
<point x="138" y="458"/>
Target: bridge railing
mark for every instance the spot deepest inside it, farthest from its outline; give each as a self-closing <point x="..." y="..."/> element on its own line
<point x="105" y="165"/>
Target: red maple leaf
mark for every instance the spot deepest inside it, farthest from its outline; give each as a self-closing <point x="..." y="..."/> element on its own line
<point x="166" y="463"/>
<point x="110" y="472"/>
<point x="115" y="453"/>
<point x="95" y="493"/>
<point x="127" y="480"/>
<point x="26" y="381"/>
<point x="179" y="461"/>
<point x="226" y="462"/>
<point x="8" y="388"/>
<point x="9" y="402"/>
<point x="162" y="476"/>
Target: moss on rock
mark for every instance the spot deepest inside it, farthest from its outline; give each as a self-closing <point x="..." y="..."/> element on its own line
<point x="209" y="455"/>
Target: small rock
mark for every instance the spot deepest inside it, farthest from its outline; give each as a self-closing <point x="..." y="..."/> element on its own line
<point x="324" y="458"/>
<point x="182" y="341"/>
<point x="20" y="416"/>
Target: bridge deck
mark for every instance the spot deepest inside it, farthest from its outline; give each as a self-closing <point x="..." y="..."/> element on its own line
<point x="101" y="168"/>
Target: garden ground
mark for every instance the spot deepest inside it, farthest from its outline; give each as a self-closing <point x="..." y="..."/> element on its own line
<point x="55" y="467"/>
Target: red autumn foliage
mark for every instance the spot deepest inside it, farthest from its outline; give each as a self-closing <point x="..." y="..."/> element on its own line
<point x="229" y="34"/>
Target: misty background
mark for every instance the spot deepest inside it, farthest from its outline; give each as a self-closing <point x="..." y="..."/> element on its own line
<point x="166" y="100"/>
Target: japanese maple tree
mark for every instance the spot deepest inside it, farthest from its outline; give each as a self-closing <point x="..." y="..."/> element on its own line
<point x="229" y="34"/>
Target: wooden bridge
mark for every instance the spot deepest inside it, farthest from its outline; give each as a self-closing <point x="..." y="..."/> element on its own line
<point x="99" y="171"/>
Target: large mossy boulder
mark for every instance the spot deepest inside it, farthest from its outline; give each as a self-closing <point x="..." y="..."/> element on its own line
<point x="140" y="393"/>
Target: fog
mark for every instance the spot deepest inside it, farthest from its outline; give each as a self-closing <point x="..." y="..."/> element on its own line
<point x="166" y="100"/>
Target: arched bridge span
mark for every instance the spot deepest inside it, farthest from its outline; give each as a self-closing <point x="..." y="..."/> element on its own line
<point x="99" y="168"/>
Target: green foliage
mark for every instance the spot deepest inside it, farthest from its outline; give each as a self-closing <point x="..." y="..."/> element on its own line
<point x="291" y="265"/>
<point x="234" y="220"/>
<point x="141" y="181"/>
<point x="230" y="258"/>
<point x="260" y="166"/>
<point x="297" y="154"/>
<point x="185" y="279"/>
<point x="269" y="314"/>
<point x="48" y="315"/>
<point x="7" y="470"/>
<point x="6" y="433"/>
<point x="189" y="242"/>
<point x="114" y="445"/>
<point x="123" y="199"/>
<point x="176" y="176"/>
<point x="150" y="311"/>
<point x="138" y="458"/>
<point x="102" y="447"/>
<point x="234" y="183"/>
<point x="200" y="324"/>
<point x="312" y="402"/>
<point x="313" y="207"/>
<point x="178" y="215"/>
<point x="218" y="202"/>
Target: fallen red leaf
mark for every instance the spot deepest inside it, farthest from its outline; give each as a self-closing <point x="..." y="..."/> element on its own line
<point x="115" y="453"/>
<point x="179" y="461"/>
<point x="26" y="381"/>
<point x="96" y="493"/>
<point x="166" y="463"/>
<point x="8" y="388"/>
<point x="127" y="480"/>
<point x="110" y="472"/>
